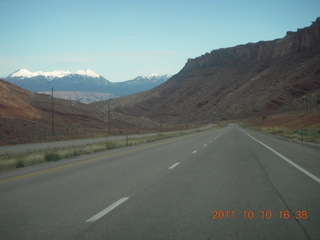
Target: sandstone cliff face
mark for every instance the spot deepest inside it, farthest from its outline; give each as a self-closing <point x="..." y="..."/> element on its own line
<point x="303" y="40"/>
<point x="240" y="81"/>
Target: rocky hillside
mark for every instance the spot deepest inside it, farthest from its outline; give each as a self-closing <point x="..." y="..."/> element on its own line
<point x="27" y="117"/>
<point x="15" y="102"/>
<point x="254" y="79"/>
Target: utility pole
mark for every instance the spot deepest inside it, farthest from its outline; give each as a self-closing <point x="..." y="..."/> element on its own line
<point x="127" y="138"/>
<point x="52" y="119"/>
<point x="138" y="124"/>
<point x="109" y="117"/>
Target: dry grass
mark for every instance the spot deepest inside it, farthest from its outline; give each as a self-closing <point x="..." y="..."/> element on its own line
<point x="302" y="126"/>
<point x="306" y="135"/>
<point x="11" y="161"/>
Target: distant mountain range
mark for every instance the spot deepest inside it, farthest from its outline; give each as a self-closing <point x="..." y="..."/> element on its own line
<point x="257" y="81"/>
<point x="83" y="85"/>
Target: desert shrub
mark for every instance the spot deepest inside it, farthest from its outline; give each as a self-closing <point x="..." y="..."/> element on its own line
<point x="20" y="164"/>
<point x="52" y="157"/>
<point x="111" y="145"/>
<point x="77" y="153"/>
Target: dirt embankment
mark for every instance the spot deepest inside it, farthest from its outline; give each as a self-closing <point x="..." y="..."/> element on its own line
<point x="15" y="102"/>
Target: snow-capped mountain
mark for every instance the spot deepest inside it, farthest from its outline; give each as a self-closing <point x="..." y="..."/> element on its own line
<point x="88" y="73"/>
<point x="82" y="81"/>
<point x="24" y="73"/>
<point x="153" y="78"/>
<point x="140" y="83"/>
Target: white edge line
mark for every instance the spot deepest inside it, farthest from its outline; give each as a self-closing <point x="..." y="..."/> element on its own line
<point x="107" y="210"/>
<point x="174" y="165"/>
<point x="195" y="151"/>
<point x="205" y="145"/>
<point x="286" y="159"/>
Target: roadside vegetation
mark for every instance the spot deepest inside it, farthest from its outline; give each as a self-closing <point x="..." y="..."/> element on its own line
<point x="303" y="126"/>
<point x="12" y="161"/>
<point x="298" y="135"/>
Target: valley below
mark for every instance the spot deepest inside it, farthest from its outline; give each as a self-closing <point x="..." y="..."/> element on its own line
<point x="268" y="84"/>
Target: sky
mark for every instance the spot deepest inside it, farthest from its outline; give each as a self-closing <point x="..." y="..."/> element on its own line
<point x="123" y="39"/>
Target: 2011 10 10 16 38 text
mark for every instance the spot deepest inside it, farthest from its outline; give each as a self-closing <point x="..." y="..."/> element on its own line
<point x="264" y="214"/>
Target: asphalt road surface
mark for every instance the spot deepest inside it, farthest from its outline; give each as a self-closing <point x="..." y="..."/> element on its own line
<point x="219" y="184"/>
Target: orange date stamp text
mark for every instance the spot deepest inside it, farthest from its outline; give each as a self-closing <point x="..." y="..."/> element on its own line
<point x="259" y="214"/>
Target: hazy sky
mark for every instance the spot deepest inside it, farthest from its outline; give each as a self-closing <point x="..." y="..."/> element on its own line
<point x="121" y="39"/>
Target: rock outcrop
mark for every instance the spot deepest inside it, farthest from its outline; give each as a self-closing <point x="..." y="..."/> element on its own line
<point x="239" y="81"/>
<point x="294" y="42"/>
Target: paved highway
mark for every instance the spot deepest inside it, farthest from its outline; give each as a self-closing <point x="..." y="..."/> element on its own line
<point x="219" y="184"/>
